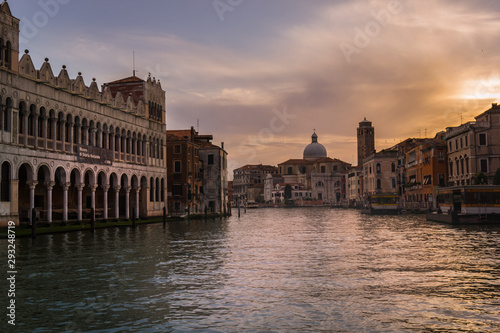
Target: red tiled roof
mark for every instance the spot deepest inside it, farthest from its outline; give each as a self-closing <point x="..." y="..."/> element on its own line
<point x="127" y="80"/>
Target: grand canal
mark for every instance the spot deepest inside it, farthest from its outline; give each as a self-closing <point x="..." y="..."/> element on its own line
<point x="272" y="270"/>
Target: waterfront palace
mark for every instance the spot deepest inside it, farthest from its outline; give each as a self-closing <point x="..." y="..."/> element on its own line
<point x="67" y="148"/>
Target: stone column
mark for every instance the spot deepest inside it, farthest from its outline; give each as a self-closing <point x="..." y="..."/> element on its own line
<point x="137" y="208"/>
<point x="130" y="149"/>
<point x="105" y="189"/>
<point x="80" y="190"/>
<point x="78" y="135"/>
<point x="117" y="201"/>
<point x="35" y="130"/>
<point x="45" y="120"/>
<point x="65" y="187"/>
<point x="71" y="137"/>
<point x="54" y="134"/>
<point x="127" y="202"/>
<point x="92" y="136"/>
<point x="93" y="188"/>
<point x="63" y="135"/>
<point x="32" y="186"/>
<point x="25" y="128"/>
<point x="99" y="138"/>
<point x="139" y="151"/>
<point x="113" y="144"/>
<point x="119" y="147"/>
<point x="49" y="185"/>
<point x="86" y="135"/>
<point x="135" y="151"/>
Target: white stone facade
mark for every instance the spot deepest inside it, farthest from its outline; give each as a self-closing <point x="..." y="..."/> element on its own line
<point x="67" y="148"/>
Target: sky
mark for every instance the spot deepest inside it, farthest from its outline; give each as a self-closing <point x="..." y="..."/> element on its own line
<point x="262" y="75"/>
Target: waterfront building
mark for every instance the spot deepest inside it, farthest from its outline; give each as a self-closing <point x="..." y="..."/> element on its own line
<point x="248" y="180"/>
<point x="299" y="193"/>
<point x="215" y="177"/>
<point x="355" y="186"/>
<point x="230" y="195"/>
<point x="380" y="173"/>
<point x="426" y="170"/>
<point x="67" y="148"/>
<point x="474" y="147"/>
<point x="269" y="186"/>
<point x="184" y="173"/>
<point x="323" y="176"/>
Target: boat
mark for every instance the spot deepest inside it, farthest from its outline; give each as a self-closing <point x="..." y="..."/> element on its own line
<point x="467" y="204"/>
<point x="381" y="204"/>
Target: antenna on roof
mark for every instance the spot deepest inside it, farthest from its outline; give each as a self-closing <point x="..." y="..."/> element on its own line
<point x="198" y="125"/>
<point x="133" y="55"/>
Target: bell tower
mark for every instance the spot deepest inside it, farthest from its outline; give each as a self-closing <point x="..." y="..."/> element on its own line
<point x="9" y="38"/>
<point x="366" y="140"/>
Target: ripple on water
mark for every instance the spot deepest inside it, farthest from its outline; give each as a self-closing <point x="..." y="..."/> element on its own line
<point x="308" y="270"/>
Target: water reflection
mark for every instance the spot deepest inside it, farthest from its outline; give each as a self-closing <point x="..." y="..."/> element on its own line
<point x="271" y="270"/>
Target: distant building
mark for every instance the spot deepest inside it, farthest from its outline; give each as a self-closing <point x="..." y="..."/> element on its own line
<point x="366" y="140"/>
<point x="474" y="148"/>
<point x="426" y="170"/>
<point x="380" y="173"/>
<point x="270" y="185"/>
<point x="247" y="177"/>
<point x="355" y="186"/>
<point x="215" y="178"/>
<point x="321" y="175"/>
<point x="184" y="172"/>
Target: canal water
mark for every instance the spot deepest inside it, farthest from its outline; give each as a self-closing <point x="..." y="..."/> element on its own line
<point x="272" y="270"/>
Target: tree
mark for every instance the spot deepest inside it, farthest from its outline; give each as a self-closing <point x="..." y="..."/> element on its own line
<point x="288" y="192"/>
<point x="496" y="180"/>
<point x="480" y="178"/>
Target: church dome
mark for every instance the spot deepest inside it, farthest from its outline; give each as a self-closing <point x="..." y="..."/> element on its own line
<point x="314" y="150"/>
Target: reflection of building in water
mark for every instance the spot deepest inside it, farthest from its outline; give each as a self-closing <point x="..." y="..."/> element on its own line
<point x="314" y="177"/>
<point x="66" y="147"/>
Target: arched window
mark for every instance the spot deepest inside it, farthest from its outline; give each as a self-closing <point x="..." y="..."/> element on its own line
<point x="378" y="167"/>
<point x="379" y="184"/>
<point x="393" y="167"/>
<point x="151" y="190"/>
<point x="393" y="183"/>
<point x="5" y="182"/>
<point x="157" y="190"/>
<point x="323" y="170"/>
<point x="162" y="193"/>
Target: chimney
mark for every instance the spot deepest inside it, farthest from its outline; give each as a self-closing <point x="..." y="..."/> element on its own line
<point x="222" y="145"/>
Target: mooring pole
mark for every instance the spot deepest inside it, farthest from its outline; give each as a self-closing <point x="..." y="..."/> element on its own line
<point x="92" y="220"/>
<point x="164" y="216"/>
<point x="33" y="223"/>
<point x="133" y="217"/>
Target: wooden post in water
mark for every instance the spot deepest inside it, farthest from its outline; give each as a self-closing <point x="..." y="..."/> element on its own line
<point x="133" y="217"/>
<point x="205" y="213"/>
<point x="92" y="220"/>
<point x="164" y="216"/>
<point x="33" y="223"/>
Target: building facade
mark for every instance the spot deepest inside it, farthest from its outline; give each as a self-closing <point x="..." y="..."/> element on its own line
<point x="366" y="140"/>
<point x="426" y="170"/>
<point x="184" y="173"/>
<point x="380" y="172"/>
<point x="215" y="176"/>
<point x="323" y="176"/>
<point x="474" y="148"/>
<point x="67" y="148"/>
<point x="250" y="178"/>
